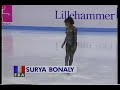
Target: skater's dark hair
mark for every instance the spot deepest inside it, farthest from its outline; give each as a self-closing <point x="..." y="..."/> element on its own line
<point x="69" y="19"/>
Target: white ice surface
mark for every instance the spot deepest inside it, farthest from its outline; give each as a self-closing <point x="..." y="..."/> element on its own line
<point x="95" y="58"/>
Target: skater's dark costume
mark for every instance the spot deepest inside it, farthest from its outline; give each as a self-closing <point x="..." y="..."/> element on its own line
<point x="70" y="41"/>
<point x="71" y="45"/>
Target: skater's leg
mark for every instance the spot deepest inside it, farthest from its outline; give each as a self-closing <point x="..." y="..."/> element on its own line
<point x="67" y="55"/>
<point x="72" y="52"/>
<point x="71" y="59"/>
<point x="66" y="59"/>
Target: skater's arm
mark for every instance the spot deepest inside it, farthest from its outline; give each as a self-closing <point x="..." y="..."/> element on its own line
<point x="65" y="40"/>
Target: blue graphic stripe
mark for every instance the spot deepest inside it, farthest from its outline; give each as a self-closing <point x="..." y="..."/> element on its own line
<point x="15" y="69"/>
<point x="34" y="28"/>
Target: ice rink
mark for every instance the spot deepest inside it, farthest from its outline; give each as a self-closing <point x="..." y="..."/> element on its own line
<point x="95" y="58"/>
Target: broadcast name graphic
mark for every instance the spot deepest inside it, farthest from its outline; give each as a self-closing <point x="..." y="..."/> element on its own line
<point x="84" y="16"/>
<point x="6" y="14"/>
<point x="21" y="71"/>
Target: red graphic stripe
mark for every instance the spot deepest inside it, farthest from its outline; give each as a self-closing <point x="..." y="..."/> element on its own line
<point x="23" y="69"/>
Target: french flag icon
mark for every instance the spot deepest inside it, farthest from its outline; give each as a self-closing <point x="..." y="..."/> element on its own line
<point x="17" y="70"/>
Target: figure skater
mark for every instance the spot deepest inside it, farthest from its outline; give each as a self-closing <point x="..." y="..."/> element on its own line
<point x="70" y="41"/>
